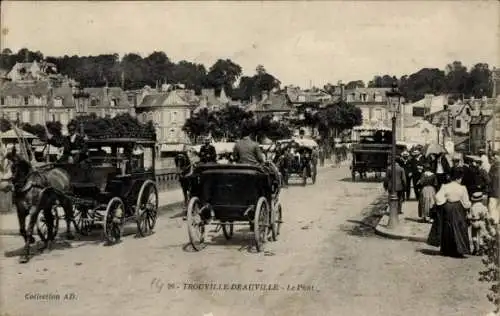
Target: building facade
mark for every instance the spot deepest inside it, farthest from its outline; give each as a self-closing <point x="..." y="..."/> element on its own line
<point x="168" y="110"/>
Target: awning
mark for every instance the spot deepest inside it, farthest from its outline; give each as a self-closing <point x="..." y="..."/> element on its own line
<point x="10" y="134"/>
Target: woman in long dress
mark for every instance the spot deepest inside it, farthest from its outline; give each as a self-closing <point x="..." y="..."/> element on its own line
<point x="451" y="227"/>
<point x="428" y="183"/>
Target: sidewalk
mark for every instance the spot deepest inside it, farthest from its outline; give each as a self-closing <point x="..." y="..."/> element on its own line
<point x="167" y="200"/>
<point x="409" y="226"/>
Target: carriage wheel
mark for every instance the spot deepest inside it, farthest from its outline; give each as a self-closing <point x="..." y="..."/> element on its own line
<point x="227" y="230"/>
<point x="196" y="226"/>
<point x="304" y="176"/>
<point x="146" y="210"/>
<point x="261" y="223"/>
<point x="276" y="221"/>
<point x="114" y="219"/>
<point x="83" y="222"/>
<point x="41" y="224"/>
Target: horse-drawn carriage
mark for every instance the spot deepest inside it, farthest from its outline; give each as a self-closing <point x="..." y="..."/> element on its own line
<point x="300" y="161"/>
<point x="115" y="184"/>
<point x="233" y="194"/>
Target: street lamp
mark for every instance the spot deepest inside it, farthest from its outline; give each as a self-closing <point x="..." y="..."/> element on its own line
<point x="394" y="102"/>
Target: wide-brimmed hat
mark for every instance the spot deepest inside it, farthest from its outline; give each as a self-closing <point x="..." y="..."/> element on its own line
<point x="482" y="150"/>
<point x="405" y="153"/>
<point x="476" y="197"/>
<point x="456" y="157"/>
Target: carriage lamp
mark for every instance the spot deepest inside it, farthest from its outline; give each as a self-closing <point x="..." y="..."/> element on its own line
<point x="394" y="103"/>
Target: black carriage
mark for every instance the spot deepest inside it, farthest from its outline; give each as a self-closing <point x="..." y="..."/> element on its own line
<point x="371" y="150"/>
<point x="233" y="194"/>
<point x="114" y="185"/>
<point x="301" y="162"/>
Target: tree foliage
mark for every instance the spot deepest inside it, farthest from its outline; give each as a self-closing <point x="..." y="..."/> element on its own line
<point x="254" y="86"/>
<point x="120" y="126"/>
<point x="455" y="80"/>
<point x="228" y="123"/>
<point x="133" y="71"/>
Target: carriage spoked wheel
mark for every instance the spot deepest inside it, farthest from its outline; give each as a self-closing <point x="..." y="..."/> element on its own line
<point x="41" y="223"/>
<point x="276" y="220"/>
<point x="146" y="210"/>
<point x="228" y="230"/>
<point x="114" y="219"/>
<point x="83" y="222"/>
<point x="195" y="224"/>
<point x="261" y="223"/>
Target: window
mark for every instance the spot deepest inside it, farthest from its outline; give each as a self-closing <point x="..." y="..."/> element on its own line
<point x="173" y="117"/>
<point x="171" y="133"/>
<point x="2" y="101"/>
<point x="26" y="100"/>
<point x="93" y="102"/>
<point x="113" y="102"/>
<point x="458" y="123"/>
<point x="418" y="111"/>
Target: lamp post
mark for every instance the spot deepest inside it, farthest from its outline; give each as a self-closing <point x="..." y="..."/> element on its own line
<point x="394" y="103"/>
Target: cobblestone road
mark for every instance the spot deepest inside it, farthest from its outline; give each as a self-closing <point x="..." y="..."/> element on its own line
<point x="326" y="262"/>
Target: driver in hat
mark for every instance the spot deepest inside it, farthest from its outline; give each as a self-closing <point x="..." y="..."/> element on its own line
<point x="74" y="145"/>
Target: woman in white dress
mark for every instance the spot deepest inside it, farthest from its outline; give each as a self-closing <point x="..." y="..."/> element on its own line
<point x="450" y="230"/>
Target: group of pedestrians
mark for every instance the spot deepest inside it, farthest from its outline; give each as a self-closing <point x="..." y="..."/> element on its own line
<point x="453" y="193"/>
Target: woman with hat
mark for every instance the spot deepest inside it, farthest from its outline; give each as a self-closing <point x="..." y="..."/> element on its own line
<point x="449" y="230"/>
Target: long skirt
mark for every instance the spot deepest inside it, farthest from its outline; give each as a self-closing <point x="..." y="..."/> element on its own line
<point x="454" y="234"/>
<point x="434" y="238"/>
<point x="426" y="201"/>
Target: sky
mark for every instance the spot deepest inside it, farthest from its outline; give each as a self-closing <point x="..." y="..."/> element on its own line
<point x="300" y="43"/>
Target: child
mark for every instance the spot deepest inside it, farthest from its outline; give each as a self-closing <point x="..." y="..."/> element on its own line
<point x="477" y="217"/>
<point x="426" y="202"/>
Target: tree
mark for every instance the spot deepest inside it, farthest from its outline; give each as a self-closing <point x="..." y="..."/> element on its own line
<point x="192" y="75"/>
<point x="355" y="84"/>
<point x="223" y="74"/>
<point x="479" y="81"/>
<point x="457" y="79"/>
<point x="254" y="86"/>
<point x="231" y="118"/>
<point x="274" y="130"/>
<point x="340" y="116"/>
<point x="202" y="123"/>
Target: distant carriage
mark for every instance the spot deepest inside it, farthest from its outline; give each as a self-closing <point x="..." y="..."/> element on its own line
<point x="303" y="163"/>
<point x="371" y="150"/>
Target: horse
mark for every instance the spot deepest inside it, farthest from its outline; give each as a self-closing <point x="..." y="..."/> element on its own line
<point x="185" y="168"/>
<point x="35" y="191"/>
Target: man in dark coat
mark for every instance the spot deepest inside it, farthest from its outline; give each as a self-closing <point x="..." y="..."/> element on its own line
<point x="207" y="152"/>
<point x="74" y="145"/>
<point x="406" y="164"/>
<point x="417" y="168"/>
<point x="400" y="183"/>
